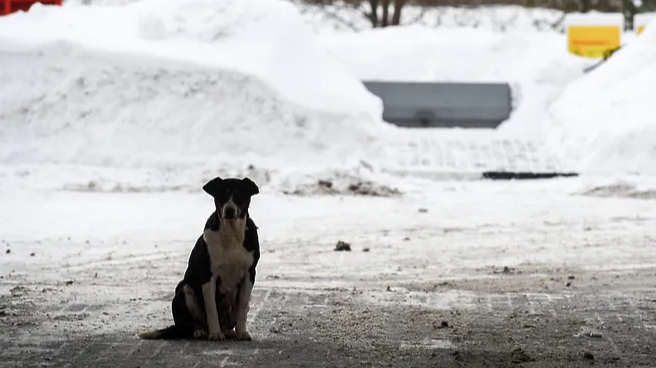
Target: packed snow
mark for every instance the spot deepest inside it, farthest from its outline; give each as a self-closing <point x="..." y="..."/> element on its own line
<point x="443" y="231"/>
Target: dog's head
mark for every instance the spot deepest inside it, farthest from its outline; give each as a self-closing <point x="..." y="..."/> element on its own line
<point x="231" y="196"/>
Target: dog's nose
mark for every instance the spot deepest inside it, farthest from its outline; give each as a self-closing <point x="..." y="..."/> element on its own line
<point x="229" y="213"/>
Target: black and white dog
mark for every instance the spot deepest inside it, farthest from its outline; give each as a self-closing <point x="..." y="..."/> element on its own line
<point x="212" y="300"/>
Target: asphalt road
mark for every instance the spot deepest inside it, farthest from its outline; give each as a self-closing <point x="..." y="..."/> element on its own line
<point x="512" y="318"/>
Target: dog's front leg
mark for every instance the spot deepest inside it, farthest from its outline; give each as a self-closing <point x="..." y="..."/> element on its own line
<point x="213" y="326"/>
<point x="243" y="308"/>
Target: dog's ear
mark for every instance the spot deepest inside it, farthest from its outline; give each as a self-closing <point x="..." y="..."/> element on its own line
<point x="213" y="186"/>
<point x="250" y="187"/>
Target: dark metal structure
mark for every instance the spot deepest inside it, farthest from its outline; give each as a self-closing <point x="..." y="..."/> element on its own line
<point x="443" y="105"/>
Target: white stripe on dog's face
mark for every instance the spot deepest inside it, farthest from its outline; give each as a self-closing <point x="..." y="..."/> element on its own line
<point x="229" y="210"/>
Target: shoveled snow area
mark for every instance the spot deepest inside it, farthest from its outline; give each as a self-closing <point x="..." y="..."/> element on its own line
<point x="535" y="64"/>
<point x="171" y="85"/>
<point x="438" y="232"/>
<point x="605" y="121"/>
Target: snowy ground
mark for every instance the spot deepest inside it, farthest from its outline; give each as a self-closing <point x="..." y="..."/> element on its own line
<point x="89" y="270"/>
<point x="106" y="138"/>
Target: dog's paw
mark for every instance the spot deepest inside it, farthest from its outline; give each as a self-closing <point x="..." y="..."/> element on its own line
<point x="229" y="334"/>
<point x="216" y="336"/>
<point x="244" y="336"/>
<point x="200" y="334"/>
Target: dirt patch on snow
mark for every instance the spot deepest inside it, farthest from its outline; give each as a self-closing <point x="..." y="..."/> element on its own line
<point x="619" y="190"/>
<point x="355" y="188"/>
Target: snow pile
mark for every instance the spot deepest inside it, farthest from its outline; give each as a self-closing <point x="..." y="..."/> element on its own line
<point x="535" y="64"/>
<point x="172" y="85"/>
<point x="606" y="121"/>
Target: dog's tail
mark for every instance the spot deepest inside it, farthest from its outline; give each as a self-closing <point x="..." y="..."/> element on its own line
<point x="170" y="333"/>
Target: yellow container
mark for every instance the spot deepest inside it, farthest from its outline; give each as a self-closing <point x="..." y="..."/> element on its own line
<point x="593" y="35"/>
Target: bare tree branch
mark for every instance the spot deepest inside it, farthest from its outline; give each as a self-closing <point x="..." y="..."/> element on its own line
<point x="420" y="16"/>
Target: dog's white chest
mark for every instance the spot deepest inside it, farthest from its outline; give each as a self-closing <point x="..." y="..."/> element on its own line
<point x="229" y="260"/>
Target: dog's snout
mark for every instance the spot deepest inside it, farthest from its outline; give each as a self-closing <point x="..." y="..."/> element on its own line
<point x="229" y="213"/>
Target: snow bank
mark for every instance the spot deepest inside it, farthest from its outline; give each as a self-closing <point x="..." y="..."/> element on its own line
<point x="173" y="84"/>
<point x="268" y="41"/>
<point x="606" y="121"/>
<point x="536" y="64"/>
